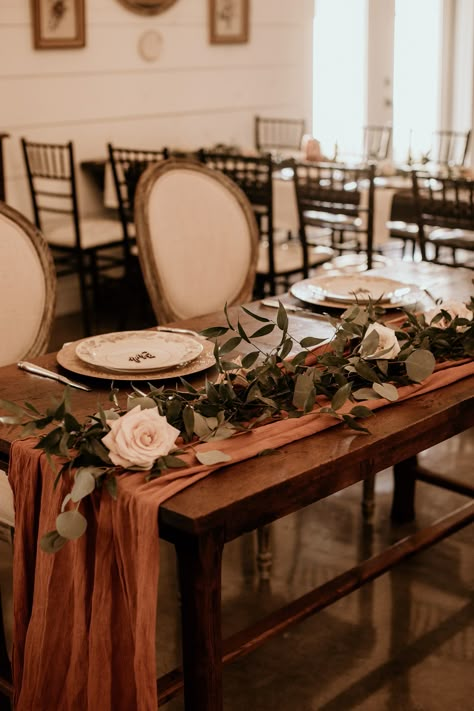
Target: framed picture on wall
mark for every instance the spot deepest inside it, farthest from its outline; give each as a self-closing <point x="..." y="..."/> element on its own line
<point x="58" y="24"/>
<point x="228" y="21"/>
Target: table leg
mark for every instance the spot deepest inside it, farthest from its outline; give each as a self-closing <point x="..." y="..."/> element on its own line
<point x="199" y="567"/>
<point x="404" y="480"/>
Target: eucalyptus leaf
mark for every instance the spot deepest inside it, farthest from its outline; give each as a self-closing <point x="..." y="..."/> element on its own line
<point x="420" y="364"/>
<point x="145" y="403"/>
<point x="341" y="396"/>
<point x="111" y="486"/>
<point x="282" y="317"/>
<point x="71" y="524"/>
<point x="361" y="411"/>
<point x="257" y="317"/>
<point x="310" y="341"/>
<point x="52" y="542"/>
<point x="369" y="344"/>
<point x="303" y="386"/>
<point x="263" y="331"/>
<point x="214" y="332"/>
<point x="84" y="483"/>
<point x="386" y="390"/>
<point x="213" y="456"/>
<point x="230" y="345"/>
<point x="364" y="394"/>
<point x="249" y="359"/>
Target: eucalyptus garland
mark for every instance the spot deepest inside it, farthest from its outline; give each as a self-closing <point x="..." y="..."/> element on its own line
<point x="365" y="359"/>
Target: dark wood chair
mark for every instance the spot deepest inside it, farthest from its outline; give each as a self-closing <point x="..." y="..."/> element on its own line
<point x="273" y="134"/>
<point x="449" y="148"/>
<point x="331" y="196"/>
<point x="91" y="247"/>
<point x="127" y="166"/>
<point x="377" y="141"/>
<point x="280" y="258"/>
<point x="2" y="167"/>
<point x="444" y="209"/>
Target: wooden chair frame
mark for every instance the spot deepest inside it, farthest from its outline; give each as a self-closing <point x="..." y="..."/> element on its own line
<point x="320" y="188"/>
<point x="443" y="202"/>
<point x="127" y="166"/>
<point x="269" y="131"/>
<point x="377" y="140"/>
<point x="2" y="167"/>
<point x="161" y="305"/>
<point x="43" y="252"/>
<point x="55" y="163"/>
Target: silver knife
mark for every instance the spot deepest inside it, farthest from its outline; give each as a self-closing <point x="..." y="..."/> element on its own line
<point x="38" y="370"/>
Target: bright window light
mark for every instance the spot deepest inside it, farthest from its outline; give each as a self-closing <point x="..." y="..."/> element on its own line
<point x="416" y="76"/>
<point x="339" y="61"/>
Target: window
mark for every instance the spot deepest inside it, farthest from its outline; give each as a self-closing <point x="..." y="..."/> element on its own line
<point x="340" y="76"/>
<point x="416" y="85"/>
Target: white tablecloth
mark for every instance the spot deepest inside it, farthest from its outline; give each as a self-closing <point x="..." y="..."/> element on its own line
<point x="285" y="213"/>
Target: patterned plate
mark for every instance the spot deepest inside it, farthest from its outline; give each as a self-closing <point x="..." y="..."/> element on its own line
<point x="130" y="351"/>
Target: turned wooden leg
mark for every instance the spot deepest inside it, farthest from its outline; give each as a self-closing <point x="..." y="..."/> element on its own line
<point x="404" y="480"/>
<point x="199" y="567"/>
<point x="264" y="552"/>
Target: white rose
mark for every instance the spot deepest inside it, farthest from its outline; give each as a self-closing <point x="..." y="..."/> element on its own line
<point x="387" y="342"/>
<point x="454" y="308"/>
<point x="138" y="438"/>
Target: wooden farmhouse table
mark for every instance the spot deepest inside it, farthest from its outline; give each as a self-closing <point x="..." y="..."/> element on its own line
<point x="239" y="498"/>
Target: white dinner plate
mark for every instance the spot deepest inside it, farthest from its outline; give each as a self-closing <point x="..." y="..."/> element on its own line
<point x="345" y="289"/>
<point x="130" y="351"/>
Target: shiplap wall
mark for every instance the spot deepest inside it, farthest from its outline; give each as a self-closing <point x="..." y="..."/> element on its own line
<point x="195" y="94"/>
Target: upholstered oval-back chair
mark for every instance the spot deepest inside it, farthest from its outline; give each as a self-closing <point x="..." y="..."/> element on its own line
<point x="197" y="239"/>
<point x="28" y="294"/>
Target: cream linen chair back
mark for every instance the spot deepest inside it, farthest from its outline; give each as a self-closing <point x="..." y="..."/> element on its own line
<point x="27" y="288"/>
<point x="197" y="239"/>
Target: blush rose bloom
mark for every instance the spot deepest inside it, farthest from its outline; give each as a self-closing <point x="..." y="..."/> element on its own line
<point x="138" y="438"/>
<point x="387" y="340"/>
<point x="454" y="308"/>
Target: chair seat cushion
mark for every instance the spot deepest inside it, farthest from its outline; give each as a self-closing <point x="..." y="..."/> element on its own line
<point x="289" y="257"/>
<point x="399" y="228"/>
<point x="95" y="232"/>
<point x="339" y="220"/>
<point x="7" y="514"/>
<point x="453" y="238"/>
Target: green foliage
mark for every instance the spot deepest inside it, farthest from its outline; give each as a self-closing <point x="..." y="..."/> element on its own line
<point x="262" y="385"/>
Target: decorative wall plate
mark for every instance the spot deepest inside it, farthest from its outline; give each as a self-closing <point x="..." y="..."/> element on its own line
<point x="147" y="7"/>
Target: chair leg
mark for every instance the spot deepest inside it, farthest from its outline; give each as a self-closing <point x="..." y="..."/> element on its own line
<point x="264" y="552"/>
<point x="403" y="501"/>
<point x="83" y="292"/>
<point x="368" y="499"/>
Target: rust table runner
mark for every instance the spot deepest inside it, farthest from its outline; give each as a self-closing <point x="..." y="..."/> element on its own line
<point x="84" y="618"/>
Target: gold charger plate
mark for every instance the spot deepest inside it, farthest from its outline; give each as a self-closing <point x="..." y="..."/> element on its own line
<point x="68" y="359"/>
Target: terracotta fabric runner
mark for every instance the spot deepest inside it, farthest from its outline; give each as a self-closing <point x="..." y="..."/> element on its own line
<point x="84" y="618"/>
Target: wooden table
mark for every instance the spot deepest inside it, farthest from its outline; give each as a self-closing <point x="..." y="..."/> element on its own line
<point x="239" y="498"/>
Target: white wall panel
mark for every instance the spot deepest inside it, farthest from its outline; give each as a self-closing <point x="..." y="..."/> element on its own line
<point x="195" y="94"/>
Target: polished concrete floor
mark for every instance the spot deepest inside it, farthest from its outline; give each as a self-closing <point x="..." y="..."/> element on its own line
<point x="402" y="643"/>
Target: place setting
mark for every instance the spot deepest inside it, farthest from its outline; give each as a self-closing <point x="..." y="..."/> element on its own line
<point x="340" y="291"/>
<point x="138" y="355"/>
